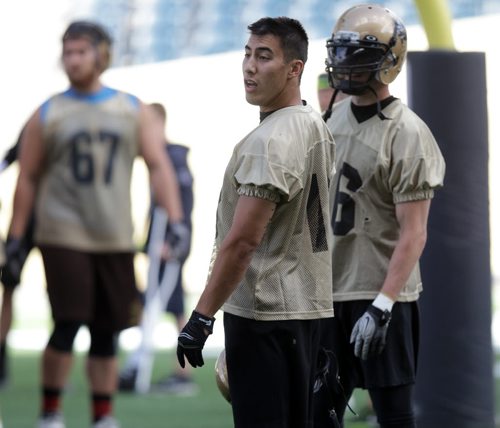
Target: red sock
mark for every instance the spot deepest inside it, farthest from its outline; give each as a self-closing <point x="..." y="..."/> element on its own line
<point x="101" y="405"/>
<point x="51" y="400"/>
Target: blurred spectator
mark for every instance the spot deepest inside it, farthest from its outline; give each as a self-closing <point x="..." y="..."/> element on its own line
<point x="180" y="381"/>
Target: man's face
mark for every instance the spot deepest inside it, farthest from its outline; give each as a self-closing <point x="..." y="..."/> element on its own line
<point x="80" y="61"/>
<point x="265" y="72"/>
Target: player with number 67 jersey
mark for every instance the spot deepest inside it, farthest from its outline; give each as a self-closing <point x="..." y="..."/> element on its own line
<point x="90" y="145"/>
<point x="76" y="158"/>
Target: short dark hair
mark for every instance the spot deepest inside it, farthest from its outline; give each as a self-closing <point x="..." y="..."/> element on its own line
<point x="94" y="31"/>
<point x="96" y="34"/>
<point x="289" y="31"/>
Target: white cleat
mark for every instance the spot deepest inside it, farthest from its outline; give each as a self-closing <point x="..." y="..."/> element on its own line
<point x="106" y="422"/>
<point x="54" y="420"/>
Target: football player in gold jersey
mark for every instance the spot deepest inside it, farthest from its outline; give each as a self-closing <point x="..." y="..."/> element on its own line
<point x="271" y="270"/>
<point x="388" y="166"/>
<point x="76" y="160"/>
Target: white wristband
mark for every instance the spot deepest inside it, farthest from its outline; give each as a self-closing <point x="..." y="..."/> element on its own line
<point x="383" y="302"/>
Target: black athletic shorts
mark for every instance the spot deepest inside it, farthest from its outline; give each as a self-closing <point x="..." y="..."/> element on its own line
<point x="271" y="368"/>
<point x="396" y="365"/>
<point x="97" y="289"/>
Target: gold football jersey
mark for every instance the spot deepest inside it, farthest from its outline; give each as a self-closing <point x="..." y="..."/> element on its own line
<point x="379" y="163"/>
<point x="288" y="159"/>
<point x="84" y="195"/>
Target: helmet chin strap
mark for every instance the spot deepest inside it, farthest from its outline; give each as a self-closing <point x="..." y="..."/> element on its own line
<point x="368" y="87"/>
<point x="353" y="90"/>
<point x="328" y="111"/>
<point x="381" y="115"/>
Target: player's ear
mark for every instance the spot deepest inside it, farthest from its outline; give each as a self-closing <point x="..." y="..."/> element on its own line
<point x="296" y="68"/>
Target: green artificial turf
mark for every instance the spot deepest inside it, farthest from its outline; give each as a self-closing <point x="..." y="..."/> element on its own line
<point x="19" y="400"/>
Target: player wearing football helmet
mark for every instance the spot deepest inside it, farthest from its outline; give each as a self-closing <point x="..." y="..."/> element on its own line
<point x="367" y="48"/>
<point x="386" y="174"/>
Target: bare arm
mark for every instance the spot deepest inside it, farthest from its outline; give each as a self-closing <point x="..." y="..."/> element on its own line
<point x="249" y="224"/>
<point x="31" y="159"/>
<point x="412" y="218"/>
<point x="370" y="331"/>
<point x="162" y="176"/>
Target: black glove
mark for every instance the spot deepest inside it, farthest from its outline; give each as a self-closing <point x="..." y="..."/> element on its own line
<point x="192" y="339"/>
<point x="370" y="331"/>
<point x="15" y="255"/>
<point x="179" y="240"/>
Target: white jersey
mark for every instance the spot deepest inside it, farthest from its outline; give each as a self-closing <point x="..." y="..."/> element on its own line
<point x="288" y="159"/>
<point x="380" y="163"/>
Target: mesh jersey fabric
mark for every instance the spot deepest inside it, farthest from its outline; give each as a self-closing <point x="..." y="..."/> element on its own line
<point x="288" y="159"/>
<point x="84" y="196"/>
<point x="379" y="163"/>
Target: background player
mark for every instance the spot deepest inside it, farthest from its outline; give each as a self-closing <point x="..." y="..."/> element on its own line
<point x="325" y="92"/>
<point x="76" y="156"/>
<point x="271" y="264"/>
<point x="387" y="168"/>
<point x="11" y="275"/>
<point x="180" y="381"/>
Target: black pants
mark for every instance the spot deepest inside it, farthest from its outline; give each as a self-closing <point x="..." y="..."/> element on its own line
<point x="271" y="368"/>
<point x="393" y="406"/>
<point x="389" y="377"/>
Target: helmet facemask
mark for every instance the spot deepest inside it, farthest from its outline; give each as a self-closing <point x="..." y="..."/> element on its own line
<point x="367" y="49"/>
<point x="353" y="63"/>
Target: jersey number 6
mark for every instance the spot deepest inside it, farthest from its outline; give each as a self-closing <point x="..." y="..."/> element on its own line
<point x="346" y="221"/>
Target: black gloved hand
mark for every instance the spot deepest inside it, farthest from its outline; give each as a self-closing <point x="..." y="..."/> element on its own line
<point x="179" y="240"/>
<point x="370" y="331"/>
<point x="192" y="339"/>
<point x="15" y="255"/>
